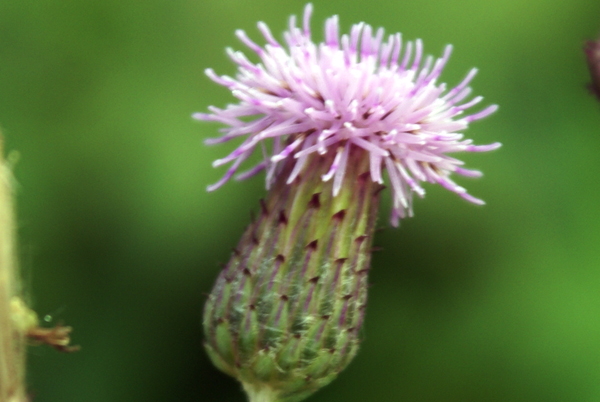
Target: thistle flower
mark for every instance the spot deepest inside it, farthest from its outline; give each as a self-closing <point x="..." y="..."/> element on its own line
<point x="285" y="313"/>
<point x="311" y="98"/>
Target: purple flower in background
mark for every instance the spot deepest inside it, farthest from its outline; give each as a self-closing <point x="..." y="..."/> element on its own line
<point x="353" y="91"/>
<point x="592" y="52"/>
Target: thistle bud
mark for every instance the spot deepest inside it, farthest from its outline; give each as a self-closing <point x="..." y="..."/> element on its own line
<point x="285" y="313"/>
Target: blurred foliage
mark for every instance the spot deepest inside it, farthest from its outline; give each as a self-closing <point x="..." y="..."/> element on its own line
<point x="120" y="240"/>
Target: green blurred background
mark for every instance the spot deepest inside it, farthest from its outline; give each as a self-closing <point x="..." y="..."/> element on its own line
<point x="120" y="239"/>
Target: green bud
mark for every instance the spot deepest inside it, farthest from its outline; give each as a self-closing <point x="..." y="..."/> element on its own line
<point x="285" y="314"/>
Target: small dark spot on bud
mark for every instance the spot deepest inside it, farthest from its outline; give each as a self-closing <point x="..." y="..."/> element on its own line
<point x="347" y="297"/>
<point x="284" y="298"/>
<point x="351" y="329"/>
<point x="263" y="207"/>
<point x="378" y="190"/>
<point x="332" y="350"/>
<point x="220" y="320"/>
<point x="282" y="218"/>
<point x="314" y="201"/>
<point x="247" y="272"/>
<point x="228" y="280"/>
<point x="312" y="245"/>
<point x="366" y="115"/>
<point x="252" y="307"/>
<point x="255" y="240"/>
<point x="364" y="177"/>
<point x="314" y="280"/>
<point x="340" y="260"/>
<point x="297" y="336"/>
<point x="236" y="252"/>
<point x="280" y="258"/>
<point x="325" y="317"/>
<point x="362" y="271"/>
<point x="339" y="215"/>
<point x="308" y="378"/>
<point x="360" y="239"/>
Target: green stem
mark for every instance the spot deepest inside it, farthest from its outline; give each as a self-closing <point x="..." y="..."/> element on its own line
<point x="260" y="394"/>
<point x="12" y="338"/>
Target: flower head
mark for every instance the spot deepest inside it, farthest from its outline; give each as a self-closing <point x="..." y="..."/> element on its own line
<point x="285" y="314"/>
<point x="356" y="90"/>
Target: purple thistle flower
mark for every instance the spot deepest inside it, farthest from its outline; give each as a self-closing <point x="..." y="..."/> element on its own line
<point x="353" y="91"/>
<point x="285" y="314"/>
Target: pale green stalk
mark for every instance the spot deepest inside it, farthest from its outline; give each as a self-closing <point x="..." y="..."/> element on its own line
<point x="12" y="335"/>
<point x="18" y="323"/>
<point x="260" y="394"/>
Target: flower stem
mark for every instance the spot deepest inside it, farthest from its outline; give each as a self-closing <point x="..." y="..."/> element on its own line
<point x="260" y="394"/>
<point x="12" y="340"/>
